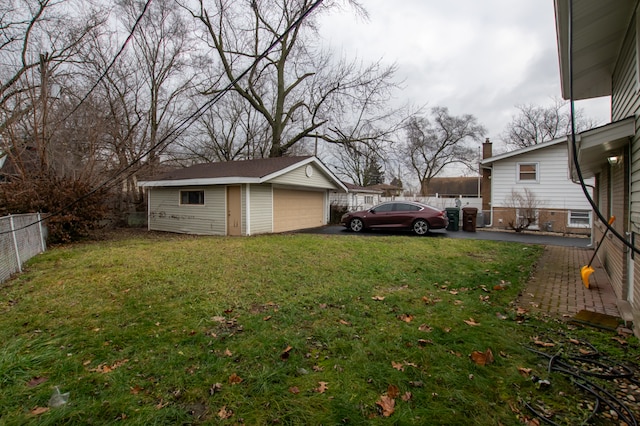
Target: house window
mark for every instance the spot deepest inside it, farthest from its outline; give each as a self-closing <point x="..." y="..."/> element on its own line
<point x="192" y="197"/>
<point x="527" y="172"/>
<point x="580" y="218"/>
<point x="368" y="199"/>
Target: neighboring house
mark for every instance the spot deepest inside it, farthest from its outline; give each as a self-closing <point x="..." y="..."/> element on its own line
<point x="388" y="191"/>
<point x="453" y="187"/>
<point x="533" y="184"/>
<point x="604" y="60"/>
<point x="356" y="197"/>
<point x="242" y="197"/>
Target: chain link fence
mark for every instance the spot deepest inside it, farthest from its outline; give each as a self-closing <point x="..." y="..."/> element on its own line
<point x="22" y="236"/>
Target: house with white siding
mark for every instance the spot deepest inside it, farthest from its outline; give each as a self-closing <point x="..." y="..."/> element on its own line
<point x="599" y="55"/>
<point x="356" y="198"/>
<point x="533" y="185"/>
<point x="242" y="197"/>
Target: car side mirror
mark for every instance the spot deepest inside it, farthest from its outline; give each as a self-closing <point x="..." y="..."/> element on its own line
<point x="372" y="211"/>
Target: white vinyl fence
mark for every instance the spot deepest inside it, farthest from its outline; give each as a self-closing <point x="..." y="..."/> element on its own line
<point x="22" y="236"/>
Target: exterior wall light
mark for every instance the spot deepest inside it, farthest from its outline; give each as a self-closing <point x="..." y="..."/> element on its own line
<point x="614" y="160"/>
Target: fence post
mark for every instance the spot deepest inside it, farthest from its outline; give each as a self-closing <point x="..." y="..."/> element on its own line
<point x="15" y="242"/>
<point x="41" y="233"/>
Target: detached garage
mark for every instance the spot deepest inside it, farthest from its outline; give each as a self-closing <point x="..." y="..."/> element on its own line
<point x="242" y="197"/>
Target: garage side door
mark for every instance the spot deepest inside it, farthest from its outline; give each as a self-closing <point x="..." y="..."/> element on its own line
<point x="297" y="209"/>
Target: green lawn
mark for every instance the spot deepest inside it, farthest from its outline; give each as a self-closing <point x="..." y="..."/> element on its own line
<point x="282" y="329"/>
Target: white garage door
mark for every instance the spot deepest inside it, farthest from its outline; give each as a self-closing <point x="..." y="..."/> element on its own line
<point x="297" y="209"/>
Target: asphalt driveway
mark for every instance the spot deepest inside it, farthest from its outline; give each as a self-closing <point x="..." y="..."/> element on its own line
<point x="527" y="237"/>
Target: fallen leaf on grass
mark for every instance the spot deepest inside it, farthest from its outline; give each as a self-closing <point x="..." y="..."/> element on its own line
<point x="267" y="318"/>
<point x="285" y="353"/>
<point x="620" y="340"/>
<point x="216" y="387"/>
<point x="39" y="410"/>
<point x="405" y="317"/>
<point x="397" y="365"/>
<point x="387" y="404"/>
<point x="343" y="322"/>
<point x="407" y="396"/>
<point x="103" y="368"/>
<point x="482" y="358"/>
<point x="424" y="342"/>
<point x="543" y="344"/>
<point x="135" y="390"/>
<point x="471" y="322"/>
<point x="234" y="379"/>
<point x="36" y="381"/>
<point x="224" y="413"/>
<point x="425" y="328"/>
<point x="524" y="372"/>
<point x="393" y="391"/>
<point x="227" y="352"/>
<point x="294" y="390"/>
<point x="378" y="298"/>
<point x="322" y="387"/>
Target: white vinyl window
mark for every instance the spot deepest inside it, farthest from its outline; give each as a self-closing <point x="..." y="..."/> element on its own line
<point x="527" y="172"/>
<point x="580" y="218"/>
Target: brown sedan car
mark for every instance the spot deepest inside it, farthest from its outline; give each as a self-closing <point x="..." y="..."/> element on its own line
<point x="397" y="215"/>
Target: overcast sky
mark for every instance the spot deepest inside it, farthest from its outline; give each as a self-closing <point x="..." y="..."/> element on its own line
<point x="480" y="57"/>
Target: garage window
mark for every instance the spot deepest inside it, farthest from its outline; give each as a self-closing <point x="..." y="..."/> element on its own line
<point x="192" y="197"/>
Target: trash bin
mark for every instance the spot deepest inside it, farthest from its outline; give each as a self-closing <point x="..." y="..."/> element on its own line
<point x="469" y="219"/>
<point x="453" y="214"/>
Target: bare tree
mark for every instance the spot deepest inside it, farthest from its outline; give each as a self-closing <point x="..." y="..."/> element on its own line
<point x="432" y="144"/>
<point x="534" y="124"/>
<point x="523" y="209"/>
<point x="300" y="92"/>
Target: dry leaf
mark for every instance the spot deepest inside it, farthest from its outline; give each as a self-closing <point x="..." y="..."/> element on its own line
<point x="378" y="298"/>
<point x="397" y="365"/>
<point x="574" y="341"/>
<point x="407" y="396"/>
<point x="294" y="390"/>
<point x="227" y="352"/>
<point x="424" y="342"/>
<point x="234" y="379"/>
<point x="343" y="322"/>
<point x="216" y="387"/>
<point x="454" y="292"/>
<point x="39" y="410"/>
<point x="482" y="358"/>
<point x="543" y="344"/>
<point x="619" y="340"/>
<point x="524" y="372"/>
<point x="405" y="317"/>
<point x="285" y="353"/>
<point x="267" y="318"/>
<point x="393" y="391"/>
<point x="36" y="381"/>
<point x="322" y="387"/>
<point x="224" y="413"/>
<point x="387" y="404"/>
<point x="135" y="390"/>
<point x="471" y="322"/>
<point x="425" y="328"/>
<point x="102" y="368"/>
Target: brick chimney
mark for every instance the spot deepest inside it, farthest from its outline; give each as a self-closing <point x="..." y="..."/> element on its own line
<point x="487" y="149"/>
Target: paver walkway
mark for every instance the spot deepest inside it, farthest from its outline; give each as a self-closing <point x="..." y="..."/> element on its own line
<point x="556" y="287"/>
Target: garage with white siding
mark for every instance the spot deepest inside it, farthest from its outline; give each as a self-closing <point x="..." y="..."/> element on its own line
<point x="242" y="197"/>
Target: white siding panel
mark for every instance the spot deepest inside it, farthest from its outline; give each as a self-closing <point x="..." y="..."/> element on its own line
<point x="554" y="190"/>
<point x="166" y="213"/>
<point x="298" y="177"/>
<point x="261" y="209"/>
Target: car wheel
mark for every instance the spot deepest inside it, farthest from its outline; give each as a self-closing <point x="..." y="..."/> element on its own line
<point x="420" y="226"/>
<point x="356" y="225"/>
